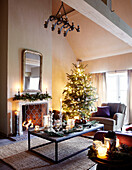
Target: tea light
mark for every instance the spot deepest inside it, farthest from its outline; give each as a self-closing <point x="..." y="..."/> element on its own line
<point x="102" y="151"/>
<point x="96" y="144"/>
<point x="36" y="127"/>
<point x="71" y="123"/>
<point x="67" y="128"/>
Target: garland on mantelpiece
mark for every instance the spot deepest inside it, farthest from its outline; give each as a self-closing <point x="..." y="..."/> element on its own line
<point x="32" y="97"/>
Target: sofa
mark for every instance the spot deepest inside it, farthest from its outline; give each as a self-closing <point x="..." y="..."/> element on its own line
<point x="111" y="115"/>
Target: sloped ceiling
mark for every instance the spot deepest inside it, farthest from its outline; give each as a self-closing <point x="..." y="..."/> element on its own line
<point x="93" y="41"/>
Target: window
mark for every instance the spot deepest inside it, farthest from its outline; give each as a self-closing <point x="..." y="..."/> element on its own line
<point x="117" y="87"/>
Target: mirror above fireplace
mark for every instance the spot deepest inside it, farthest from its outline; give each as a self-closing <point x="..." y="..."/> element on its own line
<point x="32" y="71"/>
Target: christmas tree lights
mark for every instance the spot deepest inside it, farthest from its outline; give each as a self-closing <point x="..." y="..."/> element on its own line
<point x="79" y="94"/>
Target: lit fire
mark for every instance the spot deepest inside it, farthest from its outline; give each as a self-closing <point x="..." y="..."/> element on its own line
<point x="28" y="124"/>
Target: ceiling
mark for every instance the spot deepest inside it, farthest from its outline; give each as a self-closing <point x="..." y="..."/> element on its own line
<point x="93" y="41"/>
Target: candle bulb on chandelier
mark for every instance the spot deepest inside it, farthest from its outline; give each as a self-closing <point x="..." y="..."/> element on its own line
<point x="64" y="32"/>
<point x="53" y="27"/>
<point x="59" y="30"/>
<point x="46" y="24"/>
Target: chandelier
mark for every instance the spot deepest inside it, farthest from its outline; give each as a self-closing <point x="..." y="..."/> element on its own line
<point x="62" y="22"/>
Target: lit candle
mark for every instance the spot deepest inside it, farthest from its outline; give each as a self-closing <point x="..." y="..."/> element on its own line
<point x="117" y="143"/>
<point x="102" y="151"/>
<point x="50" y="110"/>
<point x="76" y="117"/>
<point x="67" y="128"/>
<point x="107" y="143"/>
<point x="96" y="144"/>
<point x="46" y="90"/>
<point x="36" y="127"/>
<point x="60" y="111"/>
<point x="16" y="113"/>
<point x="71" y="123"/>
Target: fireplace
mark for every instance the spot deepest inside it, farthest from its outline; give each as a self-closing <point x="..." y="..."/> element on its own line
<point x="33" y="114"/>
<point x="30" y="112"/>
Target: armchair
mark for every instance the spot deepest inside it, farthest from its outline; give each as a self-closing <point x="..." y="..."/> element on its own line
<point x="114" y="118"/>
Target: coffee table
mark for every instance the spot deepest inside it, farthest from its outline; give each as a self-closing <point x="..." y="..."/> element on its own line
<point x="57" y="140"/>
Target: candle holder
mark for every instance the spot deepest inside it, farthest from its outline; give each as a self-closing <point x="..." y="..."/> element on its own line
<point x="36" y="127"/>
<point x="110" y="140"/>
<point x="16" y="123"/>
<point x="102" y="151"/>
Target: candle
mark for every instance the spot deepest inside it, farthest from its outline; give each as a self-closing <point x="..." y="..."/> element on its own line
<point x="46" y="90"/>
<point x="117" y="143"/>
<point x="60" y="105"/>
<point x="67" y="128"/>
<point x="96" y="144"/>
<point x="102" y="151"/>
<point x="71" y="123"/>
<point x="46" y="120"/>
<point x="107" y="143"/>
<point x="36" y="127"/>
<point x="60" y="111"/>
<point x="76" y="117"/>
<point x="50" y="110"/>
<point x="16" y="113"/>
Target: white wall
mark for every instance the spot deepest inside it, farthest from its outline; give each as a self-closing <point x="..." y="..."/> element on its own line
<point x="3" y="65"/>
<point x="26" y="31"/>
<point x="120" y="62"/>
<point x="63" y="57"/>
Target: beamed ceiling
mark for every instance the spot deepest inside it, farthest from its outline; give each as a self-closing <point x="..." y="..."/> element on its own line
<point x="94" y="41"/>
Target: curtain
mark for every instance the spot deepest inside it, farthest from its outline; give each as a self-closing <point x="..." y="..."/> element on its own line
<point x="99" y="82"/>
<point x="128" y="116"/>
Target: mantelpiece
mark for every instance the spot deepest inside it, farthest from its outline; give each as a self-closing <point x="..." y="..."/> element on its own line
<point x="20" y="103"/>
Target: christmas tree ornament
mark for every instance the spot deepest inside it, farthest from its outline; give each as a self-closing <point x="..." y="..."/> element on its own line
<point x="79" y="94"/>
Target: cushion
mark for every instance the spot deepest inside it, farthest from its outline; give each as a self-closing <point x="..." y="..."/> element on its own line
<point x="103" y="111"/>
<point x="114" y="108"/>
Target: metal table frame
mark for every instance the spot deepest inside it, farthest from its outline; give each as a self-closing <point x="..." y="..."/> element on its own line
<point x="57" y="140"/>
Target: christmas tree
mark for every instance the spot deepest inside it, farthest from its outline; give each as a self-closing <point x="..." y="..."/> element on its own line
<point x="79" y="94"/>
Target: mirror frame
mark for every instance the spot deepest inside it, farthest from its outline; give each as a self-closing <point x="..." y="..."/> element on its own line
<point x="23" y="70"/>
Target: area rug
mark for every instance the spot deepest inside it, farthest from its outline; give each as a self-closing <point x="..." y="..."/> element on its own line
<point x="18" y="156"/>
